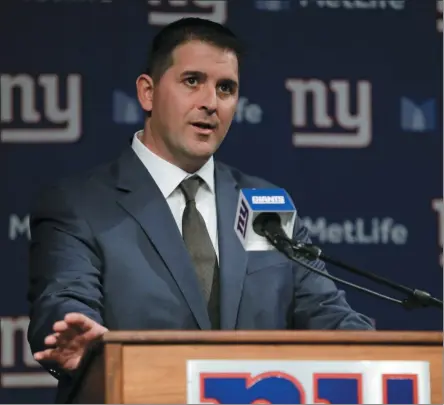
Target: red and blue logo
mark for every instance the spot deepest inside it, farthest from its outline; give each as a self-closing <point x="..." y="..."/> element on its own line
<point x="283" y="388"/>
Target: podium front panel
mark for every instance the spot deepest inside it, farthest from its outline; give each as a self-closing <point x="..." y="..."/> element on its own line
<point x="158" y="373"/>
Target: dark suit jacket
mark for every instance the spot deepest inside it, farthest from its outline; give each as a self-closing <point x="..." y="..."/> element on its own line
<point x="105" y="244"/>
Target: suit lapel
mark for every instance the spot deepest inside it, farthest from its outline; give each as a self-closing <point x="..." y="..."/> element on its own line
<point x="233" y="257"/>
<point x="142" y="199"/>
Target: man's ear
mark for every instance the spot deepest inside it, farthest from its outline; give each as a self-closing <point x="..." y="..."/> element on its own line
<point x="145" y="88"/>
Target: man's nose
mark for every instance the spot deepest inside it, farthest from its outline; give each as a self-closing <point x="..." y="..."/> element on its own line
<point x="208" y="100"/>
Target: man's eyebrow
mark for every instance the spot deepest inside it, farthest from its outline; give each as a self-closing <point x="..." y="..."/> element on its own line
<point x="202" y="75"/>
<point x="193" y="73"/>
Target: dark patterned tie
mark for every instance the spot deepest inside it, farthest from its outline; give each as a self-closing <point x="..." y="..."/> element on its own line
<point x="201" y="249"/>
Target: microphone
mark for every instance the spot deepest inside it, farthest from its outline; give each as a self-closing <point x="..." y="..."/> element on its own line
<point x="265" y="220"/>
<point x="268" y="225"/>
<point x="253" y="202"/>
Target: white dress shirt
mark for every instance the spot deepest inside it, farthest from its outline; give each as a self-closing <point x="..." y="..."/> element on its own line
<point x="168" y="177"/>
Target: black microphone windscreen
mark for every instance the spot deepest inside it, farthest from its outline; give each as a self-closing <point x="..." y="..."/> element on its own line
<point x="266" y="220"/>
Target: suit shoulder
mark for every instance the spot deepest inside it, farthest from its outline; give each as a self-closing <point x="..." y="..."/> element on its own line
<point x="245" y="180"/>
<point x="79" y="186"/>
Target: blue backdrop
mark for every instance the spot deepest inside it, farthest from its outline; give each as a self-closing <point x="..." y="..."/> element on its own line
<point x="341" y="103"/>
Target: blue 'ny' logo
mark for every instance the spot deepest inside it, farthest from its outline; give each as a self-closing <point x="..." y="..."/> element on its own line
<point x="242" y="218"/>
<point x="282" y="388"/>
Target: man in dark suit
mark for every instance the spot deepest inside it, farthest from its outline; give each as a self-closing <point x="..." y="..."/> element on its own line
<point x="147" y="241"/>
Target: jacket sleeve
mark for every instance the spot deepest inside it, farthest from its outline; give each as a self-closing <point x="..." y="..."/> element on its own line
<point x="64" y="268"/>
<point x="319" y="304"/>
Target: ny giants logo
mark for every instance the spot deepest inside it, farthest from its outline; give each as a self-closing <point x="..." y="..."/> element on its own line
<point x="352" y="118"/>
<point x="166" y="12"/>
<point x="35" y="121"/>
<point x="242" y="218"/>
<point x="282" y="388"/>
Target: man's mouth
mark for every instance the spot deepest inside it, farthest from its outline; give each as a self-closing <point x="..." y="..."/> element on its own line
<point x="204" y="125"/>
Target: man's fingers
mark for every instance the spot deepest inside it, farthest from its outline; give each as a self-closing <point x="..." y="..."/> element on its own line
<point x="47" y="354"/>
<point x="94" y="333"/>
<point x="79" y="320"/>
<point x="52" y="339"/>
<point x="60" y="326"/>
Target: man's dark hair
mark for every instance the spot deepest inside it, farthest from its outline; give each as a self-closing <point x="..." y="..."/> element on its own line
<point x="183" y="31"/>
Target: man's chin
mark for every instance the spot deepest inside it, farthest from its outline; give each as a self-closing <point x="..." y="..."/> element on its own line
<point x="197" y="157"/>
<point x="200" y="157"/>
<point x="202" y="150"/>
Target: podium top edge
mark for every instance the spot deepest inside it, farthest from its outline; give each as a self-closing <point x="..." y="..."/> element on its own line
<point x="275" y="337"/>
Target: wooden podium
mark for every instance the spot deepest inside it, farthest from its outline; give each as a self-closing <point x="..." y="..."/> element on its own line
<point x="150" y="367"/>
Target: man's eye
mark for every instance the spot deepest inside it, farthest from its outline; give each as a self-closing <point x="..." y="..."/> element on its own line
<point x="192" y="81"/>
<point x="226" y="88"/>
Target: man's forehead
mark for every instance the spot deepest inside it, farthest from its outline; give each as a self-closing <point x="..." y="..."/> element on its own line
<point x="200" y="56"/>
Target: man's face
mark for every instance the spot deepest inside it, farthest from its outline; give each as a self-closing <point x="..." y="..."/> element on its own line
<point x="193" y="103"/>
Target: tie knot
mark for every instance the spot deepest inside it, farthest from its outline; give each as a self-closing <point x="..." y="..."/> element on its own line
<point x="189" y="187"/>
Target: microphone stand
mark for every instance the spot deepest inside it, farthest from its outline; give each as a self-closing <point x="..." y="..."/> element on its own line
<point x="415" y="298"/>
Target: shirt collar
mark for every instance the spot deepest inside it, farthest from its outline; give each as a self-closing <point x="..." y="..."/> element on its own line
<point x="166" y="175"/>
